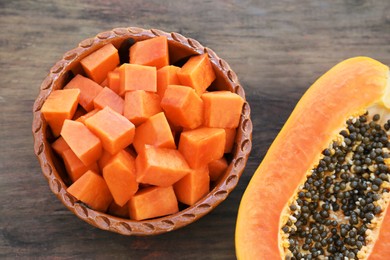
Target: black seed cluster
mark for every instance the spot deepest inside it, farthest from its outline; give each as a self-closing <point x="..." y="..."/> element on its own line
<point x="346" y="183"/>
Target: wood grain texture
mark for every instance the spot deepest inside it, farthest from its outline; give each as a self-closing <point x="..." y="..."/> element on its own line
<point x="277" y="49"/>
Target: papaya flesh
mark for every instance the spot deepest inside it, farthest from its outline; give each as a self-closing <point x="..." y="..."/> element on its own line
<point x="322" y="189"/>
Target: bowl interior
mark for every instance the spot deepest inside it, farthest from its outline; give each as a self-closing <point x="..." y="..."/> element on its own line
<point x="180" y="49"/>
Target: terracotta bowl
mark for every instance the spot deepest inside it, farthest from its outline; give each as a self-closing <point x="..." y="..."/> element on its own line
<point x="180" y="48"/>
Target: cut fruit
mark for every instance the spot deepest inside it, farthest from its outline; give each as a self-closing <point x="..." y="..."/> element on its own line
<point x="113" y="129"/>
<point x="60" y="105"/>
<point x="140" y="105"/>
<point x="119" y="174"/>
<point x="60" y="146"/>
<point x="166" y="76"/>
<point x="150" y="52"/>
<point x="108" y="98"/>
<point x="202" y="145"/>
<point x="160" y="166"/>
<point x="222" y="109"/>
<point x="89" y="89"/>
<point x="197" y="73"/>
<point x="182" y="106"/>
<point x="113" y="80"/>
<point x="75" y="167"/>
<point x="193" y="186"/>
<point x="97" y="64"/>
<point x="137" y="77"/>
<point x="82" y="141"/>
<point x="153" y="202"/>
<point x="217" y="168"/>
<point x="154" y="131"/>
<point x="230" y="136"/>
<point x="315" y="181"/>
<point x="92" y="190"/>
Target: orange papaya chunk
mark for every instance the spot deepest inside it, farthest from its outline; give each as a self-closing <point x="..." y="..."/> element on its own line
<point x="97" y="64"/>
<point x="315" y="169"/>
<point x="137" y="77"/>
<point x="89" y="89"/>
<point x="60" y="146"/>
<point x="60" y="105"/>
<point x="222" y="109"/>
<point x="166" y="76"/>
<point x="230" y="137"/>
<point x="198" y="73"/>
<point x="119" y="174"/>
<point x="182" y="106"/>
<point x="153" y="202"/>
<point x="109" y="98"/>
<point x="217" y="168"/>
<point x="192" y="187"/>
<point x="92" y="190"/>
<point x="160" y="166"/>
<point x="154" y="131"/>
<point x="82" y="141"/>
<point x="140" y="105"/>
<point x="150" y="52"/>
<point x="113" y="129"/>
<point x="113" y="81"/>
<point x="75" y="167"/>
<point x="202" y="145"/>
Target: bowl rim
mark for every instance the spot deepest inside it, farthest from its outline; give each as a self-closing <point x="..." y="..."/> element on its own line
<point x="242" y="147"/>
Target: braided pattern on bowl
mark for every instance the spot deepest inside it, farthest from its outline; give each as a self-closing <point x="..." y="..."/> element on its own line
<point x="55" y="80"/>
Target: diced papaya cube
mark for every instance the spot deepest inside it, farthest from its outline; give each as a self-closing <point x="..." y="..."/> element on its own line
<point x="113" y="81"/>
<point x="150" y="52"/>
<point x="113" y="129"/>
<point x="119" y="174"/>
<point x="153" y="202"/>
<point x="202" y="145"/>
<point x="89" y="89"/>
<point x="60" y="146"/>
<point x="82" y="119"/>
<point x="107" y="97"/>
<point x="116" y="210"/>
<point x="166" y="76"/>
<point x="76" y="168"/>
<point x="192" y="187"/>
<point x="59" y="106"/>
<point x="140" y="105"/>
<point x="222" y="109"/>
<point x="82" y="141"/>
<point x="97" y="64"/>
<point x="230" y="137"/>
<point x="182" y="106"/>
<point x="154" y="131"/>
<point x="92" y="190"/>
<point x="197" y="73"/>
<point x="137" y="77"/>
<point x="217" y="168"/>
<point x="80" y="111"/>
<point x="160" y="166"/>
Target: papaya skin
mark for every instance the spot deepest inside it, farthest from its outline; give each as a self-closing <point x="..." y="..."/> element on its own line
<point x="345" y="90"/>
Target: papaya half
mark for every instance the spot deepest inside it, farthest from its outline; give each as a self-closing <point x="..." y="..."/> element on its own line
<point x="322" y="190"/>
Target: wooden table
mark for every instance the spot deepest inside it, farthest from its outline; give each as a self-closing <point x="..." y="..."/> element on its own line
<point x="277" y="48"/>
